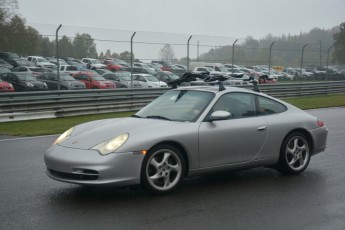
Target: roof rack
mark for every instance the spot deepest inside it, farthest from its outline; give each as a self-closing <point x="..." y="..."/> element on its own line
<point x="188" y="77"/>
<point x="217" y="79"/>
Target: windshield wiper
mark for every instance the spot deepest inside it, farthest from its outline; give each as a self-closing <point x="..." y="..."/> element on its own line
<point x="158" y="117"/>
<point x="134" y="115"/>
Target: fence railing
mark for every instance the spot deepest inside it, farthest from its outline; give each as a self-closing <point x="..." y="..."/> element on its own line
<point x="52" y="104"/>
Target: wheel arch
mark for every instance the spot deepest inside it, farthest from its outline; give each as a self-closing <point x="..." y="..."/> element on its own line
<point x="180" y="148"/>
<point x="305" y="133"/>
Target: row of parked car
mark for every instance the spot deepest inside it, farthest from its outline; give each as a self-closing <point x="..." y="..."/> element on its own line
<point x="39" y="73"/>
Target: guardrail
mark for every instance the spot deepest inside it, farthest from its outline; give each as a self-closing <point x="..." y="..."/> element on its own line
<point x="52" y="104"/>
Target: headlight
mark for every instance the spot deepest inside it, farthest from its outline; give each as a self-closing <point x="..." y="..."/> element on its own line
<point x="111" y="145"/>
<point x="29" y="84"/>
<point x="64" y="136"/>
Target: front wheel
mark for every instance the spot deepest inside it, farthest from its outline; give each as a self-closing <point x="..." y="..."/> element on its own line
<point x="295" y="154"/>
<point x="162" y="170"/>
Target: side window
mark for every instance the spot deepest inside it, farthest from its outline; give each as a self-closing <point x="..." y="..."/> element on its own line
<point x="268" y="106"/>
<point x="240" y="105"/>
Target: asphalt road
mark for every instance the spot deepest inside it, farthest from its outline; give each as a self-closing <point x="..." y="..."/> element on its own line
<point x="252" y="199"/>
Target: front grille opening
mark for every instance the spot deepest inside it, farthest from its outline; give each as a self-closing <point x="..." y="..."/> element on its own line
<point x="79" y="174"/>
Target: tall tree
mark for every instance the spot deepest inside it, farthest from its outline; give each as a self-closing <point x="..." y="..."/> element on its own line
<point x="126" y="56"/>
<point x="84" y="46"/>
<point x="339" y="45"/>
<point x="167" y="53"/>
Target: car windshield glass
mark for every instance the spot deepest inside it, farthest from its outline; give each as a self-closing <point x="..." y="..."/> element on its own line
<point x="151" y="78"/>
<point x="177" y="105"/>
<point x="223" y="69"/>
<point x="66" y="78"/>
<point x="95" y="61"/>
<point x="124" y="75"/>
<point x="173" y="77"/>
<point x="98" y="78"/>
<point x="151" y="71"/>
<point x="42" y="60"/>
<point x="26" y="77"/>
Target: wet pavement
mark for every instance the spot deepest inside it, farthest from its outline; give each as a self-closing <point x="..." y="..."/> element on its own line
<point x="258" y="198"/>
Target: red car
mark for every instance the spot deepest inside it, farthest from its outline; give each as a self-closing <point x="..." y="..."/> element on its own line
<point x="6" y="87"/>
<point x="112" y="66"/>
<point x="94" y="81"/>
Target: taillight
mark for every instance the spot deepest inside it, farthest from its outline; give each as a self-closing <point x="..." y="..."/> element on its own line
<point x="320" y="123"/>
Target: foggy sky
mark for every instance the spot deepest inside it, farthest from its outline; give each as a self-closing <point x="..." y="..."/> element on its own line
<point x="224" y="18"/>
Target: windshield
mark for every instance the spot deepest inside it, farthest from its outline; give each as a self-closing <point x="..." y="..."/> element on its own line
<point x="223" y="69"/>
<point x="66" y="77"/>
<point x="125" y="76"/>
<point x="173" y="76"/>
<point x="95" y="61"/>
<point x="26" y="77"/>
<point x="98" y="78"/>
<point x="177" y="105"/>
<point x="42" y="60"/>
<point x="151" y="78"/>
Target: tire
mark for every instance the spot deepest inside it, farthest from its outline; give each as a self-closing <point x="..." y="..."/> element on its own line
<point x="162" y="170"/>
<point x="294" y="154"/>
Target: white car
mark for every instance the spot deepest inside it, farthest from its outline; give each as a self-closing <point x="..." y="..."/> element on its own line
<point x="69" y="69"/>
<point x="91" y="63"/>
<point x="40" y="62"/>
<point x="148" y="81"/>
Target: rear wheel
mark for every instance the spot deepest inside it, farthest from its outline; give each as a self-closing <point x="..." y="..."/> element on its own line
<point x="295" y="154"/>
<point x="162" y="170"/>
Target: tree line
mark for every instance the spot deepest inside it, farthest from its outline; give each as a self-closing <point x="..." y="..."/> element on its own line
<point x="16" y="36"/>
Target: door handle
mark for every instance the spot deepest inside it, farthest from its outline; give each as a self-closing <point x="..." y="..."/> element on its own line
<point x="262" y="128"/>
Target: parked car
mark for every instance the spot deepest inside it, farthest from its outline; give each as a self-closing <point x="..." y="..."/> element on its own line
<point x="174" y="69"/>
<point x="148" y="81"/>
<point x="69" y="69"/>
<point x="264" y="79"/>
<point x="91" y="63"/>
<point x="67" y="82"/>
<point x="139" y="70"/>
<point x="186" y="132"/>
<point x="94" y="80"/>
<point x="167" y="76"/>
<point x="112" y="66"/>
<point x="35" y="71"/>
<point x="122" y="79"/>
<point x="23" y="82"/>
<point x="5" y="70"/>
<point x="40" y="62"/>
<point x="13" y="59"/>
<point x="5" y="64"/>
<point x="5" y="87"/>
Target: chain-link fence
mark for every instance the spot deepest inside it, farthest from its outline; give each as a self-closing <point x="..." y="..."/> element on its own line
<point x="289" y="53"/>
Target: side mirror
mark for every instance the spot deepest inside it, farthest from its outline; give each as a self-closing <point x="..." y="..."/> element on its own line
<point x="220" y="115"/>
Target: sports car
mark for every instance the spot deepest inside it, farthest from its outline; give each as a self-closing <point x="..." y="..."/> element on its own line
<point x="185" y="132"/>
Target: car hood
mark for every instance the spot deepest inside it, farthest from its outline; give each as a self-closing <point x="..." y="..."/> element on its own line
<point x="140" y="130"/>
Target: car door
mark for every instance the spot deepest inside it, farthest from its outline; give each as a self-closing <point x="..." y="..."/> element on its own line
<point x="235" y="140"/>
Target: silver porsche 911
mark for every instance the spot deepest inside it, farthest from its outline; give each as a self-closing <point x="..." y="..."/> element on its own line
<point x="185" y="132"/>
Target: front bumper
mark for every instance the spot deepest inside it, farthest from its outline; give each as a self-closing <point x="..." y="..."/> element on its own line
<point x="88" y="167"/>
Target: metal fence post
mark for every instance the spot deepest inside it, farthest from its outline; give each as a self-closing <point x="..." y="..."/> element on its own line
<point x="132" y="59"/>
<point x="329" y="49"/>
<point x="233" y="55"/>
<point x="188" y="52"/>
<point x="269" y="61"/>
<point x="302" y="57"/>
<point x="57" y="56"/>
